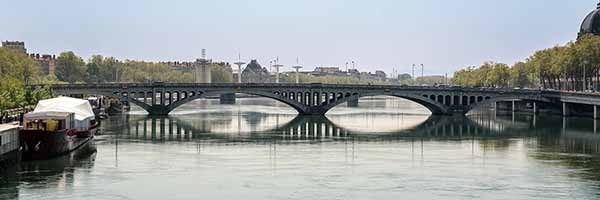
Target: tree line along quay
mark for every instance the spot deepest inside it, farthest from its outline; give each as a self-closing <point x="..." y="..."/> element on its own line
<point x="573" y="66"/>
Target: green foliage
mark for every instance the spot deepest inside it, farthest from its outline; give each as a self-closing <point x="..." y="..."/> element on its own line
<point x="18" y="66"/>
<point x="38" y="94"/>
<point x="519" y="75"/>
<point x="147" y="72"/>
<point x="70" y="67"/>
<point x="12" y="94"/>
<point x="92" y="73"/>
<point x="108" y="69"/>
<point x="404" y="77"/>
<point x="430" y="80"/>
<point x="219" y="74"/>
<point x="565" y="67"/>
<point x="16" y="71"/>
<point x="490" y="74"/>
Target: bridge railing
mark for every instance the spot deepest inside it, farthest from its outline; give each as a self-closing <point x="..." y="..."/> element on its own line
<point x="285" y="85"/>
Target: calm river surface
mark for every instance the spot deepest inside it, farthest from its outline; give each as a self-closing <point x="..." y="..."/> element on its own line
<point x="387" y="148"/>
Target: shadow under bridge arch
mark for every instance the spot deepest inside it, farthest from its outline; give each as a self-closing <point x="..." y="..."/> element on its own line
<point x="298" y="106"/>
<point x="435" y="107"/>
<point x="527" y="98"/>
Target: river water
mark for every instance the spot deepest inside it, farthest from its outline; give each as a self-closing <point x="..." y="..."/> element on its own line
<point x="387" y="148"/>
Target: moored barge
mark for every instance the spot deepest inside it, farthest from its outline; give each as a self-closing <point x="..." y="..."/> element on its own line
<point x="57" y="126"/>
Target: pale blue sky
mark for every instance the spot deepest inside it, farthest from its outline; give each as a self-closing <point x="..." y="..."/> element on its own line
<point x="377" y="34"/>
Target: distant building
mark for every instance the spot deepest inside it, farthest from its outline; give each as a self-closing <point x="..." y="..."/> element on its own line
<point x="225" y="66"/>
<point x="180" y="66"/>
<point x="591" y="23"/>
<point x="254" y="73"/>
<point x="354" y="73"/>
<point x="377" y="76"/>
<point x="381" y="75"/>
<point x="191" y="67"/>
<point x="327" y="70"/>
<point x="15" y="45"/>
<point x="47" y="63"/>
<point x="203" y="70"/>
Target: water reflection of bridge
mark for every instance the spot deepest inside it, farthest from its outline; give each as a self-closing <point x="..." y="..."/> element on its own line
<point x="313" y="127"/>
<point x="549" y="131"/>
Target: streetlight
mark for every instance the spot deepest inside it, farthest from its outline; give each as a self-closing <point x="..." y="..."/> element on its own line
<point x="239" y="63"/>
<point x="346" y="66"/>
<point x="413" y="74"/>
<point x="422" y="69"/>
<point x="446" y="78"/>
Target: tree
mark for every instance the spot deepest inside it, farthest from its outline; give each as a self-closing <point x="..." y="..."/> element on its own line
<point x="92" y="73"/>
<point x="220" y="75"/>
<point x="518" y="75"/>
<point x="70" y="67"/>
<point x="17" y="65"/>
<point x="16" y="70"/>
<point x="499" y="75"/>
<point x="109" y="68"/>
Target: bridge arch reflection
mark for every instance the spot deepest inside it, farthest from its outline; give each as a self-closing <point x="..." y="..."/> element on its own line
<point x="312" y="128"/>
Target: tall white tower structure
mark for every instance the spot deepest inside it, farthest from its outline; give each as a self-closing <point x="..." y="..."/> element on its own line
<point x="297" y="67"/>
<point x="203" y="69"/>
<point x="239" y="63"/>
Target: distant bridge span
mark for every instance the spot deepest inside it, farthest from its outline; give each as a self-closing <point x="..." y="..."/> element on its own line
<point x="317" y="99"/>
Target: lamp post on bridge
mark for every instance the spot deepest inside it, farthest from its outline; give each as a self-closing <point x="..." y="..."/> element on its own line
<point x="239" y="63"/>
<point x="346" y="67"/>
<point x="413" y="74"/>
<point x="422" y="74"/>
<point x="298" y="66"/>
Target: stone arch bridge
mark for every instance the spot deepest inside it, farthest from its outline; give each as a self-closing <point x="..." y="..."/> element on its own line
<point x="317" y="99"/>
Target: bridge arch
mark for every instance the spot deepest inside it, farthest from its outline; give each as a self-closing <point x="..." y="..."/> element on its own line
<point x="434" y="106"/>
<point x="288" y="98"/>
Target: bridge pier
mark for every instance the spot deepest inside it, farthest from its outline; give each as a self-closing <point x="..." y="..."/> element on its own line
<point x="566" y="109"/>
<point x="353" y="103"/>
<point x="227" y="98"/>
<point x="315" y="110"/>
<point x="596" y="117"/>
<point x="505" y="107"/>
<point x="158" y="110"/>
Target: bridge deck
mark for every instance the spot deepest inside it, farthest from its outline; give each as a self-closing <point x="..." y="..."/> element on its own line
<point x="318" y="98"/>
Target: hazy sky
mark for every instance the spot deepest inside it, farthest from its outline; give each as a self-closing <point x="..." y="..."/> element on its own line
<point x="377" y="34"/>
